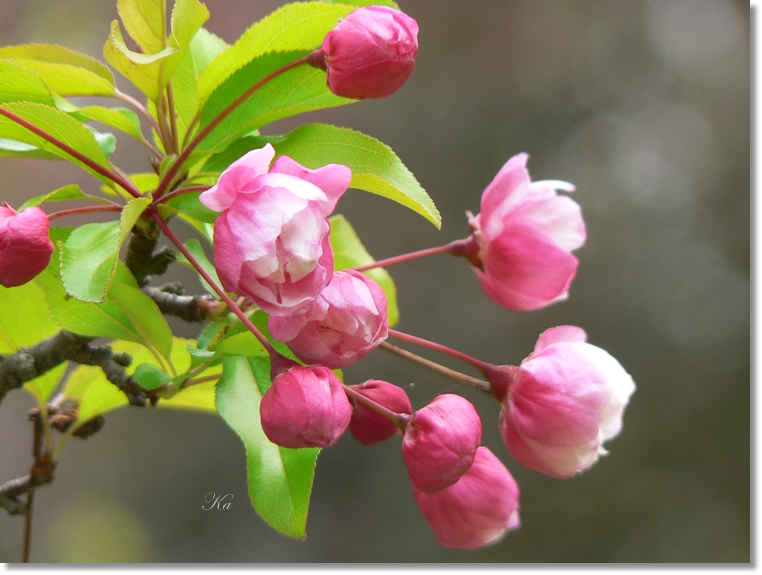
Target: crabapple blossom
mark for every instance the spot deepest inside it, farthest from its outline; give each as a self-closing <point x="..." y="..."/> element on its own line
<point x="562" y="403"/>
<point x="524" y="237"/>
<point x="305" y="407"/>
<point x="477" y="510"/>
<point x="440" y="442"/>
<point x="369" y="54"/>
<point x="271" y="242"/>
<point x="25" y="246"/>
<point x="367" y="425"/>
<point x="347" y="321"/>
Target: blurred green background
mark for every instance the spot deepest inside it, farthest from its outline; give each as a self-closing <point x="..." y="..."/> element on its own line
<point x="644" y="105"/>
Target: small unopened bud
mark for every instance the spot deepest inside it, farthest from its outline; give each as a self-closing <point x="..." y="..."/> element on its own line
<point x="440" y="442"/>
<point x="25" y="246"/>
<point x="367" y="425"/>
<point x="369" y="54"/>
<point x="477" y="510"/>
<point x="305" y="407"/>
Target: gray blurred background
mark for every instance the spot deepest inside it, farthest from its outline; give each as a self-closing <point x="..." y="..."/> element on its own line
<point x="644" y="105"/>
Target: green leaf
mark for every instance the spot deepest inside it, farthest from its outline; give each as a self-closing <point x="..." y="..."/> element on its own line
<point x="24" y="322"/>
<point x="90" y="253"/>
<point x="19" y="83"/>
<point x="296" y="91"/>
<point x="146" y="71"/>
<point x="189" y="205"/>
<point x="151" y="72"/>
<point x="145" y="22"/>
<point x="120" y="118"/>
<point x="106" y="140"/>
<point x="348" y="252"/>
<point x="64" y="71"/>
<point x="280" y="479"/>
<point x="297" y="26"/>
<point x="104" y="320"/>
<point x="145" y="316"/>
<point x="187" y="18"/>
<point x="14" y="149"/>
<point x="58" y="124"/>
<point x="197" y="251"/>
<point x="150" y="377"/>
<point x="95" y="394"/>
<point x="244" y="343"/>
<point x="375" y="167"/>
<point x="198" y="397"/>
<point x="70" y="192"/>
<point x="201" y="50"/>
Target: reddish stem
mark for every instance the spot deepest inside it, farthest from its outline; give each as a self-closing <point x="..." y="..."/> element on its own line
<point x="85" y="210"/>
<point x="274" y="355"/>
<point x="478" y="364"/>
<point x="457" y="248"/>
<point x="179" y="192"/>
<point x="96" y="167"/>
<point x="166" y="181"/>
<point x="400" y="419"/>
<point x="440" y="369"/>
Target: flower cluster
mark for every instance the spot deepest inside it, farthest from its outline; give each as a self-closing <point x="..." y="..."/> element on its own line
<point x="274" y="259"/>
<point x="271" y="246"/>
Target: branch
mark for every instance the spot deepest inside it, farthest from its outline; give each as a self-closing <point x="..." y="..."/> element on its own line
<point x="9" y="493"/>
<point x="192" y="308"/>
<point x="30" y="362"/>
<point x="141" y="259"/>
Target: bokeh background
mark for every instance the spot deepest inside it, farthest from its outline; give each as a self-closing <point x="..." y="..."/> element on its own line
<point x="645" y="106"/>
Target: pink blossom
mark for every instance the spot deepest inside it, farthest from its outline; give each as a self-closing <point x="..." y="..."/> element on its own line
<point x="25" y="246"/>
<point x="562" y="403"/>
<point x="305" y="407"/>
<point x="347" y="321"/>
<point x="370" y="53"/>
<point x="524" y="234"/>
<point x="367" y="425"/>
<point x="271" y="240"/>
<point x="477" y="510"/>
<point x="440" y="442"/>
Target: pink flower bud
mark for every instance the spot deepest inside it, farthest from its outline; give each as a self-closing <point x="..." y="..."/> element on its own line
<point x="369" y="426"/>
<point x="477" y="510"/>
<point x="563" y="402"/>
<point x="271" y="240"/>
<point x="440" y="442"/>
<point x="347" y="321"/>
<point x="370" y="53"/>
<point x="525" y="233"/>
<point x="25" y="246"/>
<point x="305" y="407"/>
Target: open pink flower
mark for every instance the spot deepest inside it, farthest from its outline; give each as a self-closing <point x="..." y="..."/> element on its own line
<point x="525" y="233"/>
<point x="440" y="442"/>
<point x="347" y="321"/>
<point x="477" y="510"/>
<point x="562" y="403"/>
<point x="305" y="407"/>
<point x="370" y="53"/>
<point x="25" y="246"/>
<point x="271" y="240"/>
